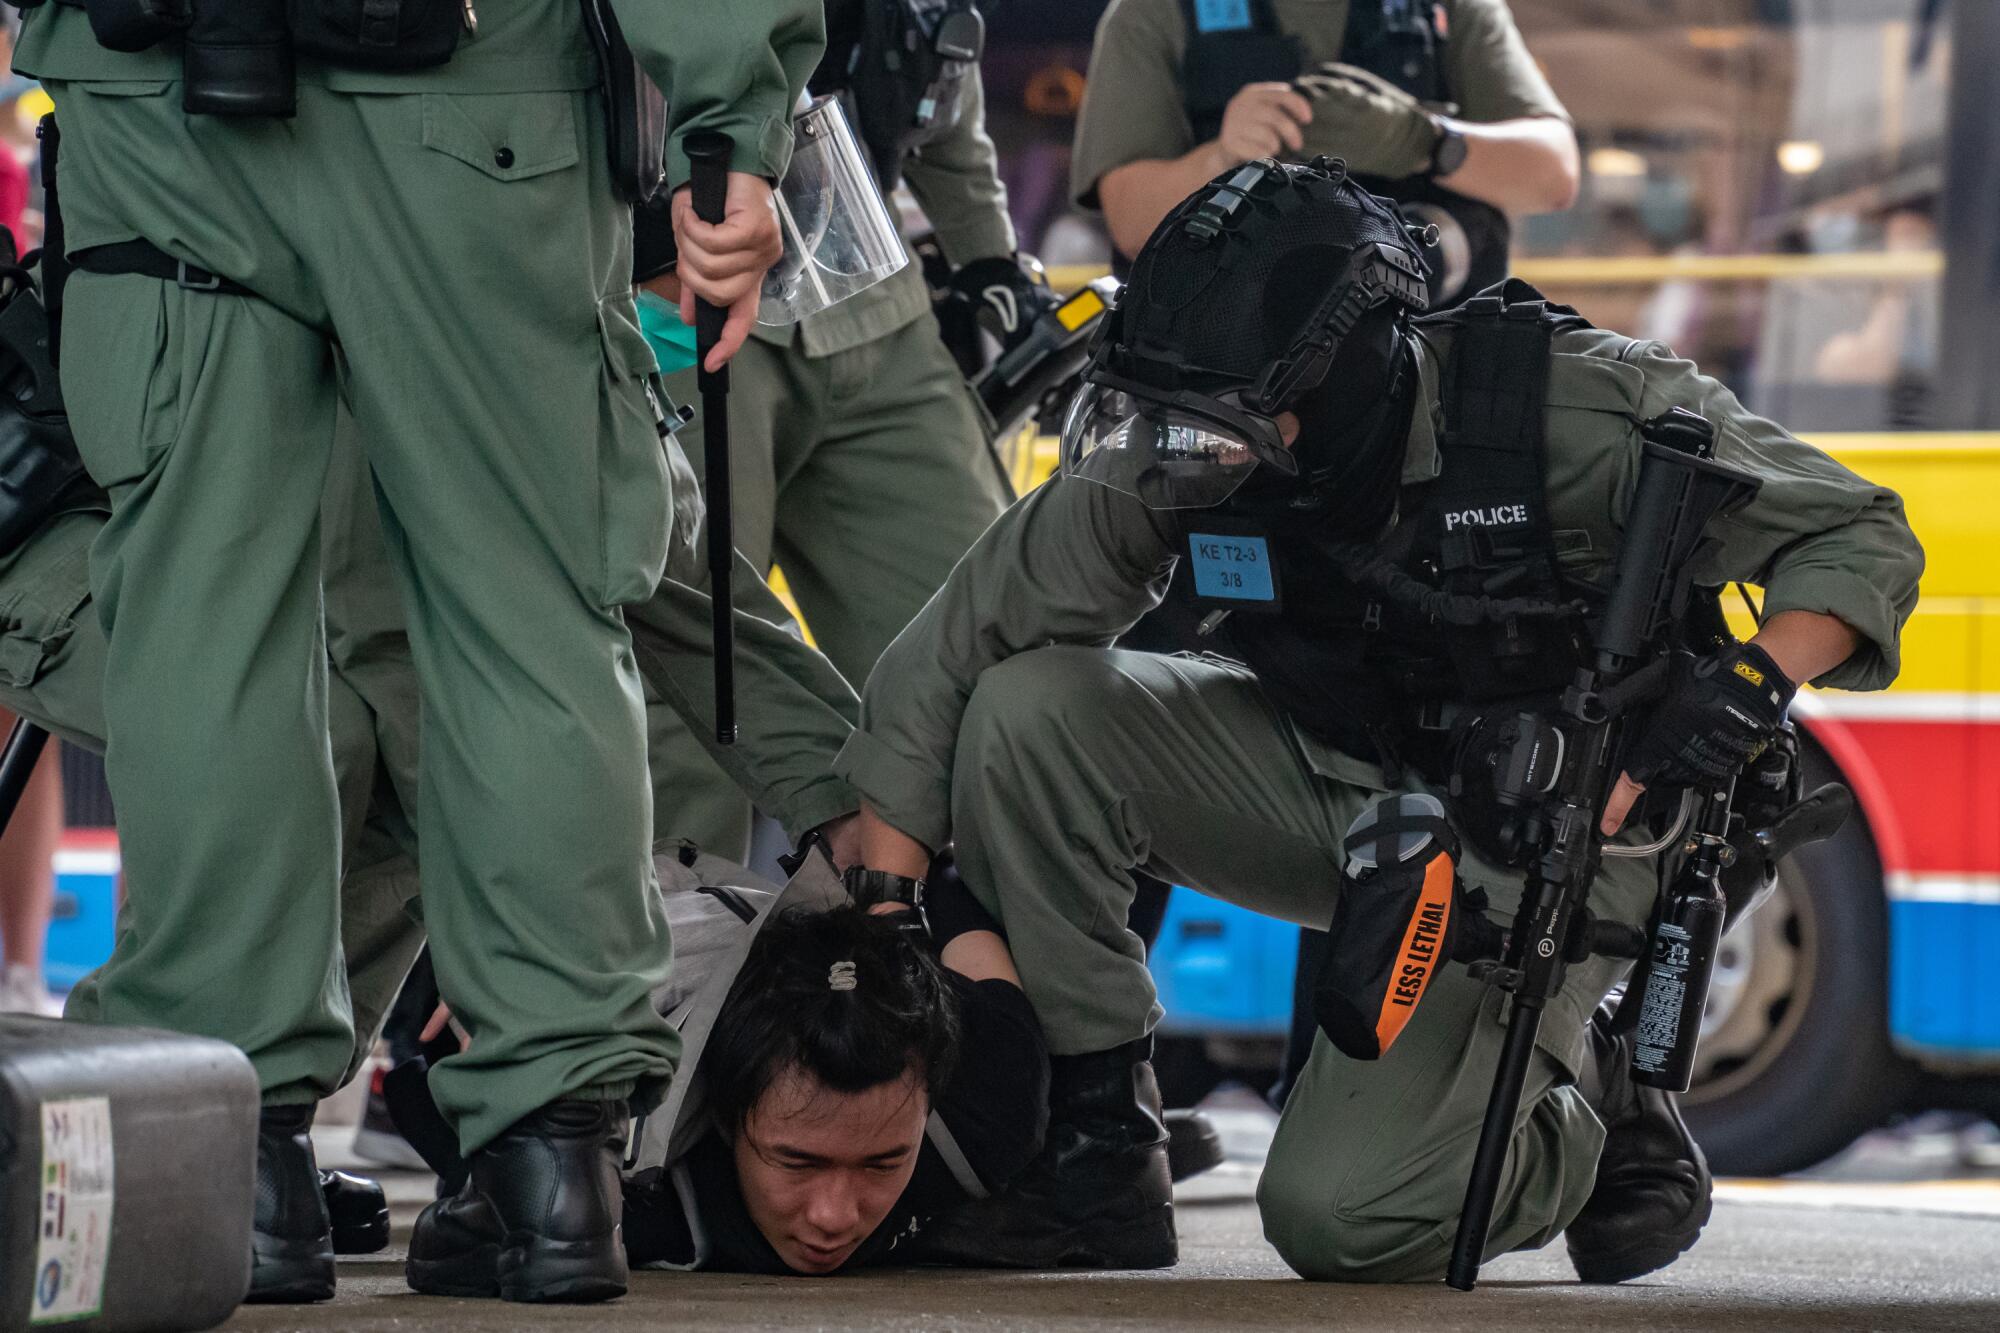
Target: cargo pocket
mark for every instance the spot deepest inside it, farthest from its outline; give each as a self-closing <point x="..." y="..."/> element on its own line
<point x="634" y="497"/>
<point x="507" y="136"/>
<point x="129" y="345"/>
<point x="38" y="619"/>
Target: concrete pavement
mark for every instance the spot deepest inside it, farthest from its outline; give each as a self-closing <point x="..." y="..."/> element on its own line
<point x="1857" y="1261"/>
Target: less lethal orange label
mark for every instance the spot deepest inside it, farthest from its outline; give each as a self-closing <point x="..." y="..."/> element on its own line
<point x="1417" y="961"/>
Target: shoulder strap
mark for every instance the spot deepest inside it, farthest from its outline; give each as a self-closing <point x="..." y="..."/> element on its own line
<point x="1401" y="41"/>
<point x="1492" y="493"/>
<point x="1231" y="43"/>
<point x="1500" y="296"/>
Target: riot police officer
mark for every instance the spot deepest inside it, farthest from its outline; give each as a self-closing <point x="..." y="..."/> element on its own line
<point x="428" y="208"/>
<point x="1387" y="520"/>
<point x="1434" y="103"/>
<point x="862" y="464"/>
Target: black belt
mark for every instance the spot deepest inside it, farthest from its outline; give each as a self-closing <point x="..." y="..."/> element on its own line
<point x="149" y="261"/>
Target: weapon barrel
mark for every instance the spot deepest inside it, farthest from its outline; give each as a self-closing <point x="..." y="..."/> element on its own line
<point x="1482" y="1190"/>
<point x="1645" y="574"/>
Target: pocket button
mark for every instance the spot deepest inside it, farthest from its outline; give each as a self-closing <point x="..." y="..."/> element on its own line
<point x="504" y="158"/>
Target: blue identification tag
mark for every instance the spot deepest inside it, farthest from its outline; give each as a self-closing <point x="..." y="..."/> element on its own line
<point x="1234" y="569"/>
<point x="1222" y="15"/>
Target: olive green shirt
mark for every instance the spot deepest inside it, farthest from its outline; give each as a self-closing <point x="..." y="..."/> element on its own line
<point x="957" y="181"/>
<point x="1133" y="109"/>
<point x="1078" y="563"/>
<point x="735" y="70"/>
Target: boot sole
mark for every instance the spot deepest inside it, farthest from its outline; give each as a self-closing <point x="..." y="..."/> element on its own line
<point x="472" y="1274"/>
<point x="539" y="1271"/>
<point x="289" y="1272"/>
<point x="1635" y="1261"/>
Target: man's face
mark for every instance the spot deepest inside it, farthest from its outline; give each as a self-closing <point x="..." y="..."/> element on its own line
<point x="820" y="1169"/>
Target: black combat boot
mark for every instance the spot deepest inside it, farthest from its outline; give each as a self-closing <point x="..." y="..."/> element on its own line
<point x="358" y="1210"/>
<point x="538" y="1217"/>
<point x="1194" y="1145"/>
<point x="1653" y="1193"/>
<point x="1097" y="1196"/>
<point x="291" y="1241"/>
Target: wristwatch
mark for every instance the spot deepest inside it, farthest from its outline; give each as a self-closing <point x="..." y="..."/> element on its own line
<point x="1448" y="154"/>
<point x="871" y="887"/>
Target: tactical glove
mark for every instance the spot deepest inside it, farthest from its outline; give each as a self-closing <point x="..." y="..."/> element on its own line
<point x="1717" y="716"/>
<point x="1376" y="127"/>
<point x="1005" y="295"/>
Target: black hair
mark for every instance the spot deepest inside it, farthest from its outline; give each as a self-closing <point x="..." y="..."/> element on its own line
<point x="784" y="1011"/>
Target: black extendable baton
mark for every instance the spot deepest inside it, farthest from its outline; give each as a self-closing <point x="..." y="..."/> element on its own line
<point x="17" y="765"/>
<point x="708" y="153"/>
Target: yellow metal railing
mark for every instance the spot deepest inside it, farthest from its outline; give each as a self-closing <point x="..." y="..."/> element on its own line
<point x="1648" y="270"/>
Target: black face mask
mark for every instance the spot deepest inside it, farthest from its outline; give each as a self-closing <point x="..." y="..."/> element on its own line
<point x="1352" y="433"/>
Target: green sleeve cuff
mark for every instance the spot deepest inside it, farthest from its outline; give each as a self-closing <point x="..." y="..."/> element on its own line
<point x="989" y="236"/>
<point x="1856" y="601"/>
<point x="822" y="801"/>
<point x="912" y="800"/>
<point x="763" y="147"/>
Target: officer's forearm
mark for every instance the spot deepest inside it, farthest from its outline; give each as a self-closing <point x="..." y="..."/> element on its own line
<point x="1137" y="195"/>
<point x="1807" y="644"/>
<point x="1520" y="166"/>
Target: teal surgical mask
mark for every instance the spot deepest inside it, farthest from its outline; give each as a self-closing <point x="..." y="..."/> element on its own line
<point x="673" y="341"/>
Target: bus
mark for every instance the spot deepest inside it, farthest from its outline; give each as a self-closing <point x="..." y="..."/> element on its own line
<point x="1796" y="194"/>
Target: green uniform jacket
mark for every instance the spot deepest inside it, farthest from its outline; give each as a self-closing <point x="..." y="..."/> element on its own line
<point x="1077" y="563"/>
<point x="957" y="181"/>
<point x="731" y="70"/>
<point x="1133" y="109"/>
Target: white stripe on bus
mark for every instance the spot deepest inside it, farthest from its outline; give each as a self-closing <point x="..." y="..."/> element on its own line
<point x="1911" y="706"/>
<point x="1979" y="890"/>
<point x="87" y="861"/>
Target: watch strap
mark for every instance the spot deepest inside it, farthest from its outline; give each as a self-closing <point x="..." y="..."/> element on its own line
<point x="869" y="887"/>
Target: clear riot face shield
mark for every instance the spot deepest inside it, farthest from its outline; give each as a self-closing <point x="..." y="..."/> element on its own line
<point x="1169" y="451"/>
<point x="839" y="236"/>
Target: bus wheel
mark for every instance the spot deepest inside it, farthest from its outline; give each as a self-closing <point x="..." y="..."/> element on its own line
<point x="1795" y="1059"/>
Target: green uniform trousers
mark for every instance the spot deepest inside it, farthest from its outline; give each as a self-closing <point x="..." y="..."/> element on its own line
<point x="864" y="474"/>
<point x="52" y="653"/>
<point x="464" y="262"/>
<point x="1076" y="765"/>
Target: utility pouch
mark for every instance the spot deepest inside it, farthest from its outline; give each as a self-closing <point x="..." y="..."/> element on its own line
<point x="635" y="111"/>
<point x="1401" y="916"/>
<point x="378" y="34"/>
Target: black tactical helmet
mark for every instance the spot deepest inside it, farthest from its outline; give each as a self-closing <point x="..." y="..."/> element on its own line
<point x="1242" y="303"/>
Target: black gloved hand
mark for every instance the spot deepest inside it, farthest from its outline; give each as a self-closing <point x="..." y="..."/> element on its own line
<point x="1716" y="717"/>
<point x="1007" y="295"/>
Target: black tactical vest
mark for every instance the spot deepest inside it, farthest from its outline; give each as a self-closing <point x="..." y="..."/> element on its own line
<point x="1461" y="602"/>
<point x="1231" y="43"/>
<point x="904" y="65"/>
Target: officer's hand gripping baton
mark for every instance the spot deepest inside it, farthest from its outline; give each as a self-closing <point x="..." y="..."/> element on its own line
<point x="709" y="153"/>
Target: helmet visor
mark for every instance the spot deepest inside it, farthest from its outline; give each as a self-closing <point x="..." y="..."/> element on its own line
<point x="1185" y="453"/>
